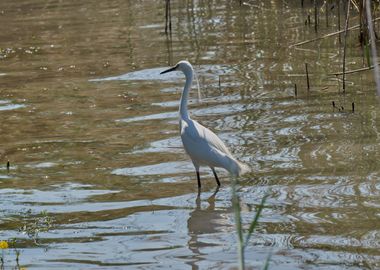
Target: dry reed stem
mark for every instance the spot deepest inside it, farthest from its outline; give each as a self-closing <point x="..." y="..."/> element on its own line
<point x="373" y="46"/>
<point x="328" y="35"/>
<point x="352" y="71"/>
<point x="345" y="45"/>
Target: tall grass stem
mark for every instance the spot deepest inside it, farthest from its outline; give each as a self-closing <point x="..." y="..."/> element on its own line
<point x="373" y="46"/>
<point x="239" y="229"/>
<point x="345" y="45"/>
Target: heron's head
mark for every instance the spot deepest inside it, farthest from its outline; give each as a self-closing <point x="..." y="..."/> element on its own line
<point x="183" y="66"/>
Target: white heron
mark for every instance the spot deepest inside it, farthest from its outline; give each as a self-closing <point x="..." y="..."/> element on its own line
<point x="202" y="145"/>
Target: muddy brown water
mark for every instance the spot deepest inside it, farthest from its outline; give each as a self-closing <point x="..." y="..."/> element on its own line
<point x="90" y="130"/>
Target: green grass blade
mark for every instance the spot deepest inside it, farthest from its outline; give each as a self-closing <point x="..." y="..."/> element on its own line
<point x="237" y="211"/>
<point x="266" y="266"/>
<point x="239" y="229"/>
<point x="256" y="219"/>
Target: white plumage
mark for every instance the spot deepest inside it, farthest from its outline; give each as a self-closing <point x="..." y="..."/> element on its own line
<point x="202" y="145"/>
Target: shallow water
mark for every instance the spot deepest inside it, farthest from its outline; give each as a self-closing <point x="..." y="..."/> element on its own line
<point x="90" y="130"/>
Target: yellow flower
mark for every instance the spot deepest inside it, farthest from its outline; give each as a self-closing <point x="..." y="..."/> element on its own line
<point x="3" y="244"/>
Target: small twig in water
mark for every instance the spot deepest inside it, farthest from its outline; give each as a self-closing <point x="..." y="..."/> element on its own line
<point x="315" y="16"/>
<point x="352" y="71"/>
<point x="199" y="88"/>
<point x="168" y="17"/>
<point x="327" y="13"/>
<point x="307" y="77"/>
<point x="328" y="35"/>
<point x="339" y="21"/>
<point x="345" y="46"/>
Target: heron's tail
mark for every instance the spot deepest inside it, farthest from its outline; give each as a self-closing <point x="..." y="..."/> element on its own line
<point x="238" y="168"/>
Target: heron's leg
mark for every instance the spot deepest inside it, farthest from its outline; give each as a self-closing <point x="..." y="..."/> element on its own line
<point x="199" y="180"/>
<point x="196" y="166"/>
<point x="216" y="176"/>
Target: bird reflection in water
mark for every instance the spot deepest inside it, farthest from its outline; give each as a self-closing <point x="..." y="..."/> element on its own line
<point x="204" y="221"/>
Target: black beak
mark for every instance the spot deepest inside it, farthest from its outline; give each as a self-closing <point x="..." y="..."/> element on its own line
<point x="168" y="70"/>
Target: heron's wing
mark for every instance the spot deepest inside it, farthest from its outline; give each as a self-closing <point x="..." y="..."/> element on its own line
<point x="201" y="136"/>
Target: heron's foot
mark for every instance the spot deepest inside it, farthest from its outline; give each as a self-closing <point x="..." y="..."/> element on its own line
<point x="216" y="177"/>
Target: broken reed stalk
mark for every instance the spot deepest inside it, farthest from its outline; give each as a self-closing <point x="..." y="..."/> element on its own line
<point x="169" y="47"/>
<point x="373" y="46"/>
<point x="345" y="46"/>
<point x="328" y="35"/>
<point x="327" y="12"/>
<point x="361" y="36"/>
<point x="307" y="77"/>
<point x="352" y="71"/>
<point x="315" y="16"/>
<point x="168" y="17"/>
<point x="339" y="21"/>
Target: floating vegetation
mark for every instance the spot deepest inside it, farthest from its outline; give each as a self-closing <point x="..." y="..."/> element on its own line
<point x="43" y="222"/>
<point x="10" y="52"/>
<point x="12" y="246"/>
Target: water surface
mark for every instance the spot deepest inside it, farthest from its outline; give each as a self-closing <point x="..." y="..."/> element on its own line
<point x="91" y="132"/>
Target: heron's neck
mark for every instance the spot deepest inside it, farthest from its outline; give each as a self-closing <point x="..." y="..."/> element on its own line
<point x="185" y="95"/>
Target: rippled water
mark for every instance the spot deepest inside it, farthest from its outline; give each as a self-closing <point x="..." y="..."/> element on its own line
<point x="90" y="130"/>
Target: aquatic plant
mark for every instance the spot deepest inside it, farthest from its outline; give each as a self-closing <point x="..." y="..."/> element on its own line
<point x="243" y="241"/>
<point x="10" y="244"/>
<point x="3" y="244"/>
<point x="373" y="46"/>
<point x="367" y="36"/>
<point x="41" y="223"/>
